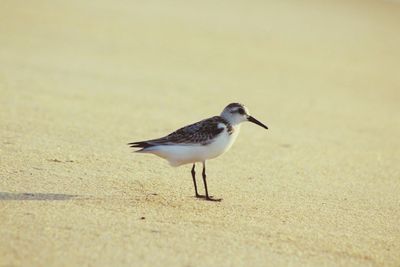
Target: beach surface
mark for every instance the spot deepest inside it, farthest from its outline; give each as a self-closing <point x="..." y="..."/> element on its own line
<point x="81" y="79"/>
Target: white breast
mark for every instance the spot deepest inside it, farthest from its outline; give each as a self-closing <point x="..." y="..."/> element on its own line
<point x="222" y="143"/>
<point x="184" y="154"/>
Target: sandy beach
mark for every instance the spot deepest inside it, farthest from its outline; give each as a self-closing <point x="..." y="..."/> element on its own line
<point x="80" y="79"/>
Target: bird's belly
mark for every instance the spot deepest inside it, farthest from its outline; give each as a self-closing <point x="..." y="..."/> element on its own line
<point x="220" y="145"/>
<point x="184" y="154"/>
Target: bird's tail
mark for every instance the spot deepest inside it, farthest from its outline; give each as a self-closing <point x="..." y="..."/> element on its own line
<point x="143" y="145"/>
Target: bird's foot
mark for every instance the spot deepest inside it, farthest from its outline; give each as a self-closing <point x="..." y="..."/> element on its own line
<point x="208" y="198"/>
<point x="211" y="198"/>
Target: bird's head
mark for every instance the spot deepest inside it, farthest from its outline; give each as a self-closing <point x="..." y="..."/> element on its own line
<point x="236" y="113"/>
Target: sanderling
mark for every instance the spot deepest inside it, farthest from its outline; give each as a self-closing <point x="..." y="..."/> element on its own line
<point x="200" y="141"/>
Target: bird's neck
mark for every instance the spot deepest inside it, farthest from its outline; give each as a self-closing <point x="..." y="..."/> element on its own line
<point x="230" y="119"/>
<point x="236" y="128"/>
<point x="232" y="127"/>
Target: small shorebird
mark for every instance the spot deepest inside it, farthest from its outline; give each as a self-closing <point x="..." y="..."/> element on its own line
<point x="200" y="141"/>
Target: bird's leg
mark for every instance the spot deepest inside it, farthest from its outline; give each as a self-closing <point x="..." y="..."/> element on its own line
<point x="205" y="184"/>
<point x="194" y="181"/>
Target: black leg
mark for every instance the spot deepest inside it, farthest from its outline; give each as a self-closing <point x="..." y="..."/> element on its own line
<point x="205" y="185"/>
<point x="194" y="181"/>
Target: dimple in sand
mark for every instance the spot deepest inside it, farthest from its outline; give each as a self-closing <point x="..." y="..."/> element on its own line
<point x="200" y="141"/>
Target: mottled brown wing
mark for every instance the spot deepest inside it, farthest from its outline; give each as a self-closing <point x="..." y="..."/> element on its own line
<point x="201" y="132"/>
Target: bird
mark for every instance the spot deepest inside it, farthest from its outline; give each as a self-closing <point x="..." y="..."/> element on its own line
<point x="200" y="141"/>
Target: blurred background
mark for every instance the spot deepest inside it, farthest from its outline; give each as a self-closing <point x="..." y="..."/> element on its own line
<point x="80" y="79"/>
<point x="310" y="57"/>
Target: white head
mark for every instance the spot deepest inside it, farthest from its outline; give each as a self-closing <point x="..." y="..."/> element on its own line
<point x="236" y="113"/>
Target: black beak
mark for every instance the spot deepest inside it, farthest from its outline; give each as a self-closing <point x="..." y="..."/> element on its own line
<point x="253" y="120"/>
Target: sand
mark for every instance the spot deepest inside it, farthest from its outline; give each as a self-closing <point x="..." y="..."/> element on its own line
<point x="80" y="79"/>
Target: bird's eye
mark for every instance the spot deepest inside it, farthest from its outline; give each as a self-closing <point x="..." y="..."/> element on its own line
<point x="241" y="111"/>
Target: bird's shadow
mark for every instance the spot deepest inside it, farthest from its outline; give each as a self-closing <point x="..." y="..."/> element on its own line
<point x="5" y="196"/>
